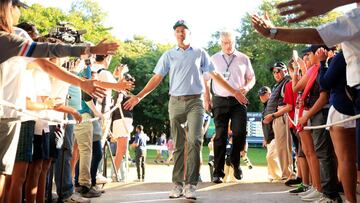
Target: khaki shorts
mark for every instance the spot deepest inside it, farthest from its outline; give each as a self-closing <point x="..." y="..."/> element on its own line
<point x="9" y="138"/>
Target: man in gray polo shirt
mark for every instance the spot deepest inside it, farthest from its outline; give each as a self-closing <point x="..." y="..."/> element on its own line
<point x="186" y="65"/>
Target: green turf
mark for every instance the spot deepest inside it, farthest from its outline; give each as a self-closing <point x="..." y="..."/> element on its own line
<point x="257" y="156"/>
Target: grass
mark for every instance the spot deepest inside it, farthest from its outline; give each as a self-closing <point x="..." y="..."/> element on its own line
<point x="257" y="156"/>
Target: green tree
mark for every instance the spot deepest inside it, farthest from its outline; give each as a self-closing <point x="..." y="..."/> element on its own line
<point x="84" y="15"/>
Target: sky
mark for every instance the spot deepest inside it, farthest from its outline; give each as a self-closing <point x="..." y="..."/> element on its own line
<point x="154" y="18"/>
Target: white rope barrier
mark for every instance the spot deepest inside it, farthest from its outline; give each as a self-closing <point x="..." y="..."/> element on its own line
<point x="65" y="122"/>
<point x="326" y="125"/>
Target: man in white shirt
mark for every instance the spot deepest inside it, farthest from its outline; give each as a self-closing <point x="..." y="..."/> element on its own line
<point x="237" y="70"/>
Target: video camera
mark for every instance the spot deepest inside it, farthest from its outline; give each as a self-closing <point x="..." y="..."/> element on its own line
<point x="67" y="34"/>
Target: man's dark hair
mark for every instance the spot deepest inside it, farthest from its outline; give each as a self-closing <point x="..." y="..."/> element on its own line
<point x="100" y="58"/>
<point x="140" y="127"/>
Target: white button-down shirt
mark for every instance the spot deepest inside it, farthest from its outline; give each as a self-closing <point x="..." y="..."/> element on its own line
<point x="346" y="30"/>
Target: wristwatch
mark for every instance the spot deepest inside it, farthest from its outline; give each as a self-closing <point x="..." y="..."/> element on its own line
<point x="273" y="31"/>
<point x="273" y="116"/>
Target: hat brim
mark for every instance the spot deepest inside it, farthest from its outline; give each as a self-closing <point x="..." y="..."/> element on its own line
<point x="22" y="5"/>
<point x="175" y="26"/>
<point x="262" y="93"/>
<point x="272" y="68"/>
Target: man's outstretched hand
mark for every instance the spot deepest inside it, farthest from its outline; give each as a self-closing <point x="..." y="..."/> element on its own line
<point x="104" y="48"/>
<point x="131" y="103"/>
<point x="262" y="24"/>
<point x="92" y="89"/>
<point x="304" y="9"/>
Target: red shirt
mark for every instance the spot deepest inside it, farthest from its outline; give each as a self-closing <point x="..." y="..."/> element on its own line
<point x="290" y="98"/>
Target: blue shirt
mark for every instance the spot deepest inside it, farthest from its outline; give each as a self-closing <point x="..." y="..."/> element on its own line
<point x="75" y="97"/>
<point x="185" y="68"/>
<point x="141" y="139"/>
<point x="334" y="79"/>
<point x="86" y="73"/>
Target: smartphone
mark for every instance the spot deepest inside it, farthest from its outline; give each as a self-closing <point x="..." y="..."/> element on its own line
<point x="295" y="55"/>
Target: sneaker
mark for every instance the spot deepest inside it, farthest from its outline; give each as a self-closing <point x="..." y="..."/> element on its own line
<point x="190" y="192"/>
<point x="176" y="192"/>
<point x="308" y="191"/>
<point x="313" y="196"/>
<point x="100" y="179"/>
<point x="89" y="193"/>
<point x="292" y="182"/>
<point x="75" y="198"/>
<point x="98" y="188"/>
<point x="325" y="199"/>
<point x="301" y="188"/>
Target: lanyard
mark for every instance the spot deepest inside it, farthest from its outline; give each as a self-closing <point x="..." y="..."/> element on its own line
<point x="230" y="62"/>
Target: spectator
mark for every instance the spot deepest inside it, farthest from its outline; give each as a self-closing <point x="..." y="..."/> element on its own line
<point x="140" y="151"/>
<point x="272" y="158"/>
<point x="170" y="148"/>
<point x="161" y="141"/>
<point x="279" y="121"/>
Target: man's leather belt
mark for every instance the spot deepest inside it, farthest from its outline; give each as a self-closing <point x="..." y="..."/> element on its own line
<point x="187" y="97"/>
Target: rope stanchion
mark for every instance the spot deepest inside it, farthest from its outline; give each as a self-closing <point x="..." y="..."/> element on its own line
<point x="326" y="125"/>
<point x="64" y="122"/>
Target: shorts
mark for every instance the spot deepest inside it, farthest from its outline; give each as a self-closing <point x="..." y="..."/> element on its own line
<point x="25" y="146"/>
<point x="118" y="129"/>
<point x="41" y="147"/>
<point x="335" y="116"/>
<point x="9" y="137"/>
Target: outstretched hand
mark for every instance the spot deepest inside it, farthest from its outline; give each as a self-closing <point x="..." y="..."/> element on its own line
<point x="304" y="9"/>
<point x="103" y="48"/>
<point x="123" y="84"/>
<point x="262" y="24"/>
<point x="93" y="90"/>
<point x="131" y="103"/>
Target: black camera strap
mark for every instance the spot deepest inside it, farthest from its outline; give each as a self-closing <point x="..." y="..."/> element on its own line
<point x="101" y="69"/>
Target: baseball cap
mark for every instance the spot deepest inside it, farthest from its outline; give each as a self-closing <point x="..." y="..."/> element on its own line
<point x="19" y="3"/>
<point x="279" y="65"/>
<point x="180" y="23"/>
<point x="263" y="90"/>
<point x="314" y="47"/>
